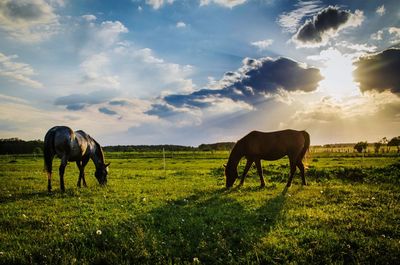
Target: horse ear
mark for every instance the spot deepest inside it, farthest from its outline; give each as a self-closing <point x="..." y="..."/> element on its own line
<point x="107" y="164"/>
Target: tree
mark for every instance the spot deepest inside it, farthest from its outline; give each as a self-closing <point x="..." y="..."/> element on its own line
<point x="378" y="145"/>
<point x="361" y="146"/>
<point x="395" y="141"/>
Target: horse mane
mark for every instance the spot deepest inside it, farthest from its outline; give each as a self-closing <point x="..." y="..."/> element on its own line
<point x="99" y="150"/>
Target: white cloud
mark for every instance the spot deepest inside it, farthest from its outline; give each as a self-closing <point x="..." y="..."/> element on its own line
<point x="391" y="34"/>
<point x="28" y="21"/>
<point x="262" y="44"/>
<point x="181" y="24"/>
<point x="224" y="3"/>
<point x="156" y="74"/>
<point x="377" y="35"/>
<point x="290" y="21"/>
<point x="29" y="122"/>
<point x="156" y="4"/>
<point x="381" y="10"/>
<point x="357" y="47"/>
<point x="395" y="34"/>
<point x="89" y="17"/>
<point x="17" y="72"/>
<point x="98" y="37"/>
<point x="96" y="72"/>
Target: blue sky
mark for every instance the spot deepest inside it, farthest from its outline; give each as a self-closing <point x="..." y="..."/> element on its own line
<point x="192" y="72"/>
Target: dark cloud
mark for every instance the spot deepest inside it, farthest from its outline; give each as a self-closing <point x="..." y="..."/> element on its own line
<point x="252" y="82"/>
<point x="119" y="102"/>
<point x="326" y="23"/>
<point x="161" y="110"/>
<point x="379" y="71"/>
<point x="75" y="106"/>
<point x="107" y="111"/>
<point x="23" y="10"/>
<point x="79" y="101"/>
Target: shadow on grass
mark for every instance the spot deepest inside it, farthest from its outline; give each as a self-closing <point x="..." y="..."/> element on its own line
<point x="29" y="196"/>
<point x="215" y="228"/>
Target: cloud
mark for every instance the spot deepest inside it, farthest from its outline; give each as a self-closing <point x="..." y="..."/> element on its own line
<point x="290" y="21"/>
<point x="256" y="81"/>
<point x="20" y="73"/>
<point x="379" y="72"/>
<point x="395" y="34"/>
<point x="156" y="4"/>
<point x="181" y="24"/>
<point x="357" y="47"/>
<point x="28" y="21"/>
<point x="89" y="17"/>
<point x="325" y="25"/>
<point x="80" y="101"/>
<point x="262" y="44"/>
<point x="91" y="36"/>
<point x="103" y="127"/>
<point x="107" y="111"/>
<point x="381" y="10"/>
<point x="223" y="3"/>
<point x="377" y="35"/>
<point x="147" y="74"/>
<point x="389" y="34"/>
<point x="96" y="74"/>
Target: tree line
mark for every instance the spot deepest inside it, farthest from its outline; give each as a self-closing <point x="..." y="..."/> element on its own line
<point x="18" y="146"/>
<point x="395" y="142"/>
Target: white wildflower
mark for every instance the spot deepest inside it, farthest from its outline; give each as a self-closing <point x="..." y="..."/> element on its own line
<point x="98" y="232"/>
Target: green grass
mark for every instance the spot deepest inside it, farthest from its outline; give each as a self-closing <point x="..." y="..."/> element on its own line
<point x="348" y="214"/>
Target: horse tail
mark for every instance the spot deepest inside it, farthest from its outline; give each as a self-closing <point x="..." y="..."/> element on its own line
<point x="49" y="150"/>
<point x="306" y="146"/>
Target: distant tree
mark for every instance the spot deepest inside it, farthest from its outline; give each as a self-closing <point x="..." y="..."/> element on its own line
<point x="378" y="145"/>
<point x="361" y="146"/>
<point x="385" y="141"/>
<point x="395" y="141"/>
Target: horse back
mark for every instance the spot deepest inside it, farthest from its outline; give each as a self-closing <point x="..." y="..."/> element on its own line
<point x="272" y="145"/>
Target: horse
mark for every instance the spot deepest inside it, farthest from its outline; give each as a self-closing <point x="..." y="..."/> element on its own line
<point x="257" y="146"/>
<point x="72" y="146"/>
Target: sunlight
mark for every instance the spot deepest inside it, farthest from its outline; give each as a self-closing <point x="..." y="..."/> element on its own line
<point x="338" y="79"/>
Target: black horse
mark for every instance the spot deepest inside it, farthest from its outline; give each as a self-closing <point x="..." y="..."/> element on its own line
<point x="75" y="146"/>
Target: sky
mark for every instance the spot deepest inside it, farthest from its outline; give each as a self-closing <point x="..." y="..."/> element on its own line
<point x="189" y="72"/>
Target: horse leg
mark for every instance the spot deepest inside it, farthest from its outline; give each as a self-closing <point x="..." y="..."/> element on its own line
<point x="49" y="181"/>
<point x="292" y="170"/>
<point x="78" y="163"/>
<point x="64" y="162"/>
<point x="301" y="167"/>
<point x="259" y="171"/>
<point x="84" y="163"/>
<point x="246" y="169"/>
<point x="49" y="173"/>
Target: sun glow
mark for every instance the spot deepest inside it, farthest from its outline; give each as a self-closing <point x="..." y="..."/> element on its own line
<point x="337" y="72"/>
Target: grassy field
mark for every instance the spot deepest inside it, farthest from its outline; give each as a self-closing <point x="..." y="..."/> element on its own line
<point x="348" y="214"/>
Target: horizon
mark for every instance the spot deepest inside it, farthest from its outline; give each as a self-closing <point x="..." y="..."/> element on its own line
<point x="155" y="72"/>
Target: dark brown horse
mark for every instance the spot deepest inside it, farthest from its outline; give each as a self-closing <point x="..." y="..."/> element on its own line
<point x="75" y="146"/>
<point x="257" y="146"/>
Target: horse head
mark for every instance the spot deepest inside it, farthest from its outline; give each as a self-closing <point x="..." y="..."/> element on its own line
<point x="230" y="174"/>
<point x="101" y="173"/>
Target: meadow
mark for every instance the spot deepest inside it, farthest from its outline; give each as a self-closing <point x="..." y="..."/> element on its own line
<point x="349" y="213"/>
